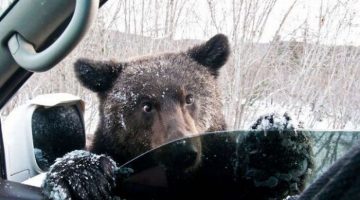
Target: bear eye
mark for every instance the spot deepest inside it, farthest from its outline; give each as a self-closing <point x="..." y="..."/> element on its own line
<point x="147" y="107"/>
<point x="189" y="99"/>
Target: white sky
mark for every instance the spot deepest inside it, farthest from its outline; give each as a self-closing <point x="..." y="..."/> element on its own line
<point x="195" y="21"/>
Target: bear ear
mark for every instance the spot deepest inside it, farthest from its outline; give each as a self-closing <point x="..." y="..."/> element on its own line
<point x="97" y="76"/>
<point x="213" y="53"/>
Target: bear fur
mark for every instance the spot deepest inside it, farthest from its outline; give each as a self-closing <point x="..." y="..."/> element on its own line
<point x="145" y="103"/>
<point x="275" y="159"/>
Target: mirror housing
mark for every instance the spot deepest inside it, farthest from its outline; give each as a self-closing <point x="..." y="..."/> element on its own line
<point x="32" y="138"/>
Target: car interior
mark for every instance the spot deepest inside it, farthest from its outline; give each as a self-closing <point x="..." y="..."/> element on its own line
<point x="50" y="21"/>
<point x="56" y="28"/>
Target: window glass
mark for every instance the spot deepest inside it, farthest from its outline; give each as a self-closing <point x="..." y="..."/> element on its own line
<point x="302" y="65"/>
<point x="231" y="159"/>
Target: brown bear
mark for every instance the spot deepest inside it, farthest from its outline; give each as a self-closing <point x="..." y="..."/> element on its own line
<point x="150" y="101"/>
<point x="153" y="100"/>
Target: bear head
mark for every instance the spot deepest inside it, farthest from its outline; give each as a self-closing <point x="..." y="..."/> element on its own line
<point x="149" y="101"/>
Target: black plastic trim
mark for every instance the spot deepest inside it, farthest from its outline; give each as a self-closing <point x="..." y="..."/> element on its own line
<point x="2" y="157"/>
<point x="13" y="85"/>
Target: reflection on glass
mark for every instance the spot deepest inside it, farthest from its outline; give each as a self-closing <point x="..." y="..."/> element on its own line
<point x="241" y="164"/>
<point x="328" y="146"/>
<point x="56" y="131"/>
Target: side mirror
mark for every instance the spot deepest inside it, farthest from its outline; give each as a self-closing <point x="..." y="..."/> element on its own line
<point x="37" y="133"/>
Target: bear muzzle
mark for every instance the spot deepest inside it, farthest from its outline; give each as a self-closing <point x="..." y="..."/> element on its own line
<point x="176" y="124"/>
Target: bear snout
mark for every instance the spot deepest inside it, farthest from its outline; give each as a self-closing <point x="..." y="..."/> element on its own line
<point x="178" y="130"/>
<point x="172" y="124"/>
<point x="183" y="155"/>
<point x="175" y="124"/>
<point x="173" y="130"/>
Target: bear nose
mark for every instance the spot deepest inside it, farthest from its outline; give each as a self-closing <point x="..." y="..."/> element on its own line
<point x="182" y="154"/>
<point x="186" y="156"/>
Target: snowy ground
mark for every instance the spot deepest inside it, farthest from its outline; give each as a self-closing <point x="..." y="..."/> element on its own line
<point x="304" y="116"/>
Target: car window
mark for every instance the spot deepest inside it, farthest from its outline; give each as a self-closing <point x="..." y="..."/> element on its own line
<point x="294" y="57"/>
<point x="259" y="88"/>
<point x="156" y="173"/>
